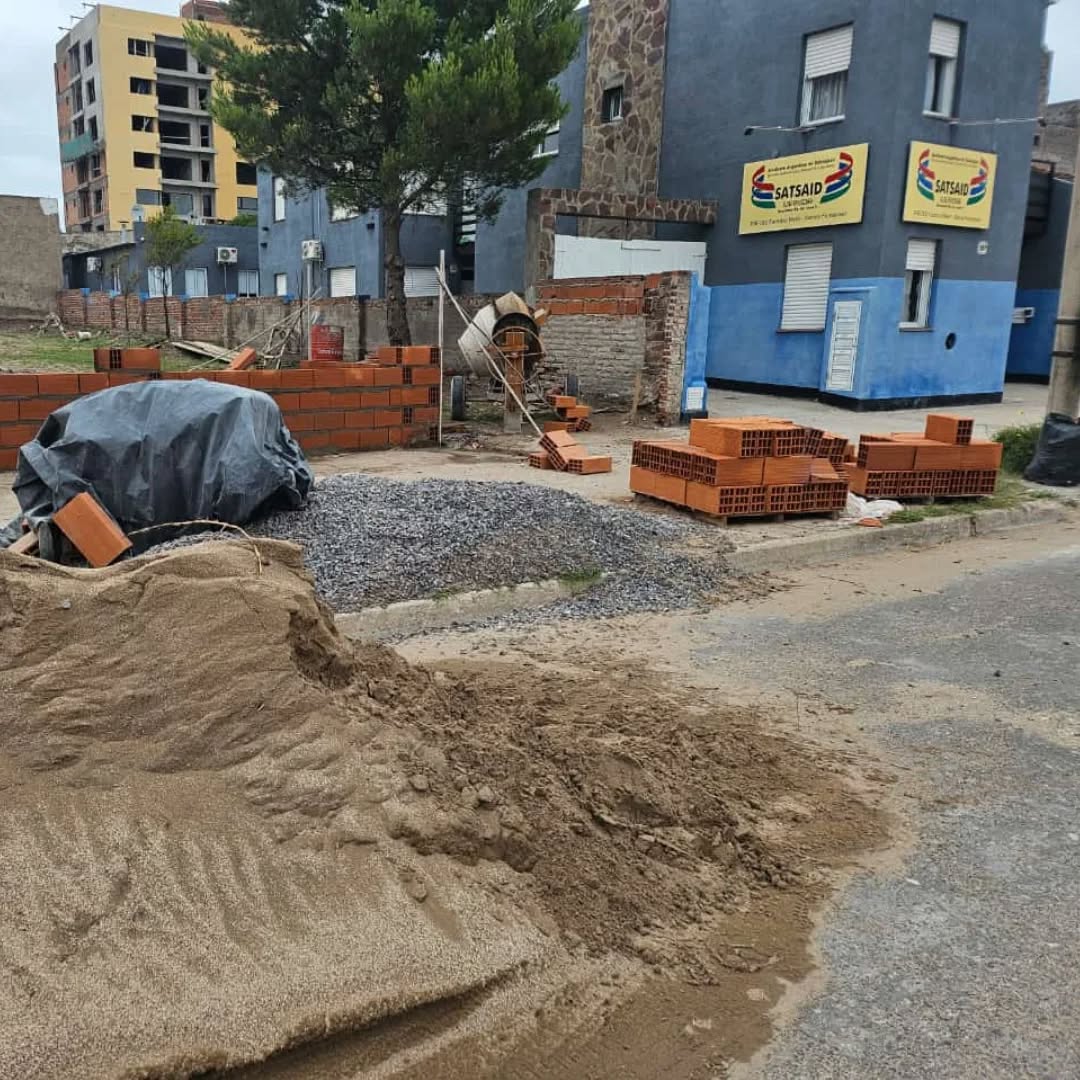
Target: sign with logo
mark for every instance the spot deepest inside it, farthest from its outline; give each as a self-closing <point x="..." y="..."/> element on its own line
<point x="805" y="191"/>
<point x="948" y="185"/>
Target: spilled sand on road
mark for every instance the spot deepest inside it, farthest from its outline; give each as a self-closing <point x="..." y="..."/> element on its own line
<point x="230" y="835"/>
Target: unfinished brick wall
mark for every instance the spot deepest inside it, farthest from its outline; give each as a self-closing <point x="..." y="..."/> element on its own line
<point x="612" y="331"/>
<point x="233" y="323"/>
<point x="330" y="408"/>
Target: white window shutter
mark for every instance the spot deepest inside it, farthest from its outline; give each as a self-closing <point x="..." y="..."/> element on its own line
<point x="421" y="281"/>
<point x="921" y="255"/>
<point x="343" y="281"/>
<point x="828" y="52"/>
<point x="806" y="287"/>
<point x="945" y="38"/>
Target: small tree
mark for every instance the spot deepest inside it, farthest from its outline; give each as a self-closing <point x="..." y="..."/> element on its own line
<point x="393" y="104"/>
<point x="168" y="240"/>
<point x="125" y="278"/>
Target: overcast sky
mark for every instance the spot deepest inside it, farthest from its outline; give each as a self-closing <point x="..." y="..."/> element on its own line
<point x="29" y="29"/>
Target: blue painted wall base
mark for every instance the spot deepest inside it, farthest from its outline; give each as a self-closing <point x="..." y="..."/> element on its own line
<point x="961" y="356"/>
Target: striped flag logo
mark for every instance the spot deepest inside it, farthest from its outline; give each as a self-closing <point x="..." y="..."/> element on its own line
<point x="762" y="193"/>
<point x="926" y="176"/>
<point x="977" y="187"/>
<point x="838" y="184"/>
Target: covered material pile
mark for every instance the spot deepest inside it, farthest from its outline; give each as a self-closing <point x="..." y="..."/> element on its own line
<point x="944" y="460"/>
<point x="208" y="790"/>
<point x="743" y="467"/>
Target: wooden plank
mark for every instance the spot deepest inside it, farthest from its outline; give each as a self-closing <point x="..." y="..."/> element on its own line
<point x="27" y="544"/>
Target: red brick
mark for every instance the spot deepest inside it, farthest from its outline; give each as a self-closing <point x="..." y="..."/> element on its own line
<point x="92" y="530"/>
<point x="345" y="440"/>
<point x="412" y="395"/>
<point x="419" y="355"/>
<point x="388" y="418"/>
<point x="375" y="399"/>
<point x="9" y="410"/>
<point x="395" y="393"/>
<point x="359" y="374"/>
<point x="295" y="378"/>
<point x="244" y="359"/>
<point x="374" y="438"/>
<point x="288" y="402"/>
<point x="123" y="378"/>
<point x="300" y="421"/>
<point x="18" y="385"/>
<point x="345" y="399"/>
<point x="264" y="380"/>
<point x="316" y="399"/>
<point x="17" y="434"/>
<point x="36" y="408"/>
<point x="425" y="376"/>
<point x="428" y="414"/>
<point x="92" y="382"/>
<point x="9" y="458"/>
<point x="234" y="378"/>
<point x="397" y="436"/>
<point x="330" y="376"/>
<point x="314" y="440"/>
<point x="388" y="354"/>
<point x="329" y="421"/>
<point x="391" y="376"/>
<point x="58" y="385"/>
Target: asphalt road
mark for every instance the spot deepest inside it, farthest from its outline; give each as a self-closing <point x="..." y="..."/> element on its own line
<point x="963" y="960"/>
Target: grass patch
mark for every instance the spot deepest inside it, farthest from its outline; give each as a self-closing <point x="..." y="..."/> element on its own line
<point x="1018" y="446"/>
<point x="578" y="581"/>
<point x="31" y="351"/>
<point x="1010" y="493"/>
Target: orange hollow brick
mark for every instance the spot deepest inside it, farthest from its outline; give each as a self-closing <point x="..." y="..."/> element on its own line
<point x="86" y="523"/>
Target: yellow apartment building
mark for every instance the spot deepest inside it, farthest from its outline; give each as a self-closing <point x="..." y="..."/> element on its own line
<point x="132" y="108"/>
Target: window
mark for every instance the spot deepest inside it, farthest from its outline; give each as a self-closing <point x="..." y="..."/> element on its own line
<point x="245" y="174"/>
<point x="142" y="161"/>
<point x="611" y="104"/>
<point x="76" y="97"/>
<point x="91" y="92"/>
<point x="208" y="206"/>
<point x="825" y="75"/>
<point x="343" y="281"/>
<point x="172" y="96"/>
<point x="99" y="201"/>
<point x="141" y="86"/>
<point x="175" y="131"/>
<point x="549" y="145"/>
<point x="203" y="95"/>
<point x="281" y="284"/>
<point x="138" y="47"/>
<point x="159" y="281"/>
<point x="341" y="213"/>
<point x="142" y="123"/>
<point x="206" y="172"/>
<point x="116" y="282"/>
<point x="941" y="72"/>
<point x="279" y="199"/>
<point x="918" y="283"/>
<point x="246" y="205"/>
<point x="195" y="283"/>
<point x="204" y="135"/>
<point x="95" y="165"/>
<point x="78" y="126"/>
<point x="247" y="283"/>
<point x="182" y="203"/>
<point x="172" y="57"/>
<point x="73" y="60"/>
<point x="421" y="281"/>
<point x="175" y="168"/>
<point x="88" y="53"/>
<point x="147" y="197"/>
<point x="93" y="128"/>
<point x="806" y="287"/>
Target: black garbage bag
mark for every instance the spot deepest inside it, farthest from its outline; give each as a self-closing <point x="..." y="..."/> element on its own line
<point x="162" y="451"/>
<point x="1057" y="457"/>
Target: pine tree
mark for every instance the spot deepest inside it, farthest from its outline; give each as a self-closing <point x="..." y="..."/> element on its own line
<point x="393" y="105"/>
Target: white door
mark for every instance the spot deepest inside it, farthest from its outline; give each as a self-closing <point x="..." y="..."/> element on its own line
<point x="343" y="281"/>
<point x="585" y="256"/>
<point x="421" y="281"/>
<point x="843" y="345"/>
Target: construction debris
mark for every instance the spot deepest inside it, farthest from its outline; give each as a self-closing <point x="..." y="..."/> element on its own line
<point x="943" y="461"/>
<point x="745" y="467"/>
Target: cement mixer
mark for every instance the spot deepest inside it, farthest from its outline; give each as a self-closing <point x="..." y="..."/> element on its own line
<point x="490" y="324"/>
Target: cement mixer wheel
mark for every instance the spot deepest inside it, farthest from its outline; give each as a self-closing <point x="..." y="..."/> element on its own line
<point x="458" y="400"/>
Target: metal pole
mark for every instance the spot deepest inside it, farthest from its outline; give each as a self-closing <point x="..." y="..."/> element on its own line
<point x="442" y="308"/>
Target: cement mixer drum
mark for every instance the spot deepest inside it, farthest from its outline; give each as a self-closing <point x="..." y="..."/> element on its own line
<point x="509" y="312"/>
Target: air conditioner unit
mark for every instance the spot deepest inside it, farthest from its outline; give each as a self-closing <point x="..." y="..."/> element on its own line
<point x="93" y="264"/>
<point x="311" y="250"/>
<point x="226" y="255"/>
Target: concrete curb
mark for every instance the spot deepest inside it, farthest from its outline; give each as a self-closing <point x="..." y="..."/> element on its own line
<point x="852" y="541"/>
<point x="412" y="616"/>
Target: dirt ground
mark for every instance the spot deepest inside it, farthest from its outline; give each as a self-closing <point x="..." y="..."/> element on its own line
<point x="341" y="864"/>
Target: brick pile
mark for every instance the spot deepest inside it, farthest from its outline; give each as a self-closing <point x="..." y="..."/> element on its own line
<point x="573" y="416"/>
<point x="942" y="461"/>
<point x="390" y="400"/>
<point x="744" y="467"/>
<point x="560" y="450"/>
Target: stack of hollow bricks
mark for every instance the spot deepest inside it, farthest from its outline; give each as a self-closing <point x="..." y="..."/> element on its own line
<point x="558" y="447"/>
<point x="942" y="461"/>
<point x="390" y="400"/>
<point x="744" y="467"/>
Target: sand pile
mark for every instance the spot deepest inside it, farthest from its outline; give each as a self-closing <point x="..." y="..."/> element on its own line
<point x="227" y="832"/>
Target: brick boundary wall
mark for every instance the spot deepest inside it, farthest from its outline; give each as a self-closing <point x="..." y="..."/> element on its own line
<point x="218" y="320"/>
<point x="365" y="406"/>
<point x="607" y="330"/>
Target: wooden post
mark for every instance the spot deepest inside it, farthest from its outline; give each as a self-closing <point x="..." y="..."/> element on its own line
<point x="513" y="347"/>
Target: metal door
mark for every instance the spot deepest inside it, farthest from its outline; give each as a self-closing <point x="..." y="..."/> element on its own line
<point x="843" y="345"/>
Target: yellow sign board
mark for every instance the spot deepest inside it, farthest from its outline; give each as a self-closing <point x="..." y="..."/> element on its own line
<point x="947" y="185"/>
<point x="805" y="191"/>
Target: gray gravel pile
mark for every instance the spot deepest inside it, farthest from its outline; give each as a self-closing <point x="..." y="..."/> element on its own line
<point x="371" y="541"/>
